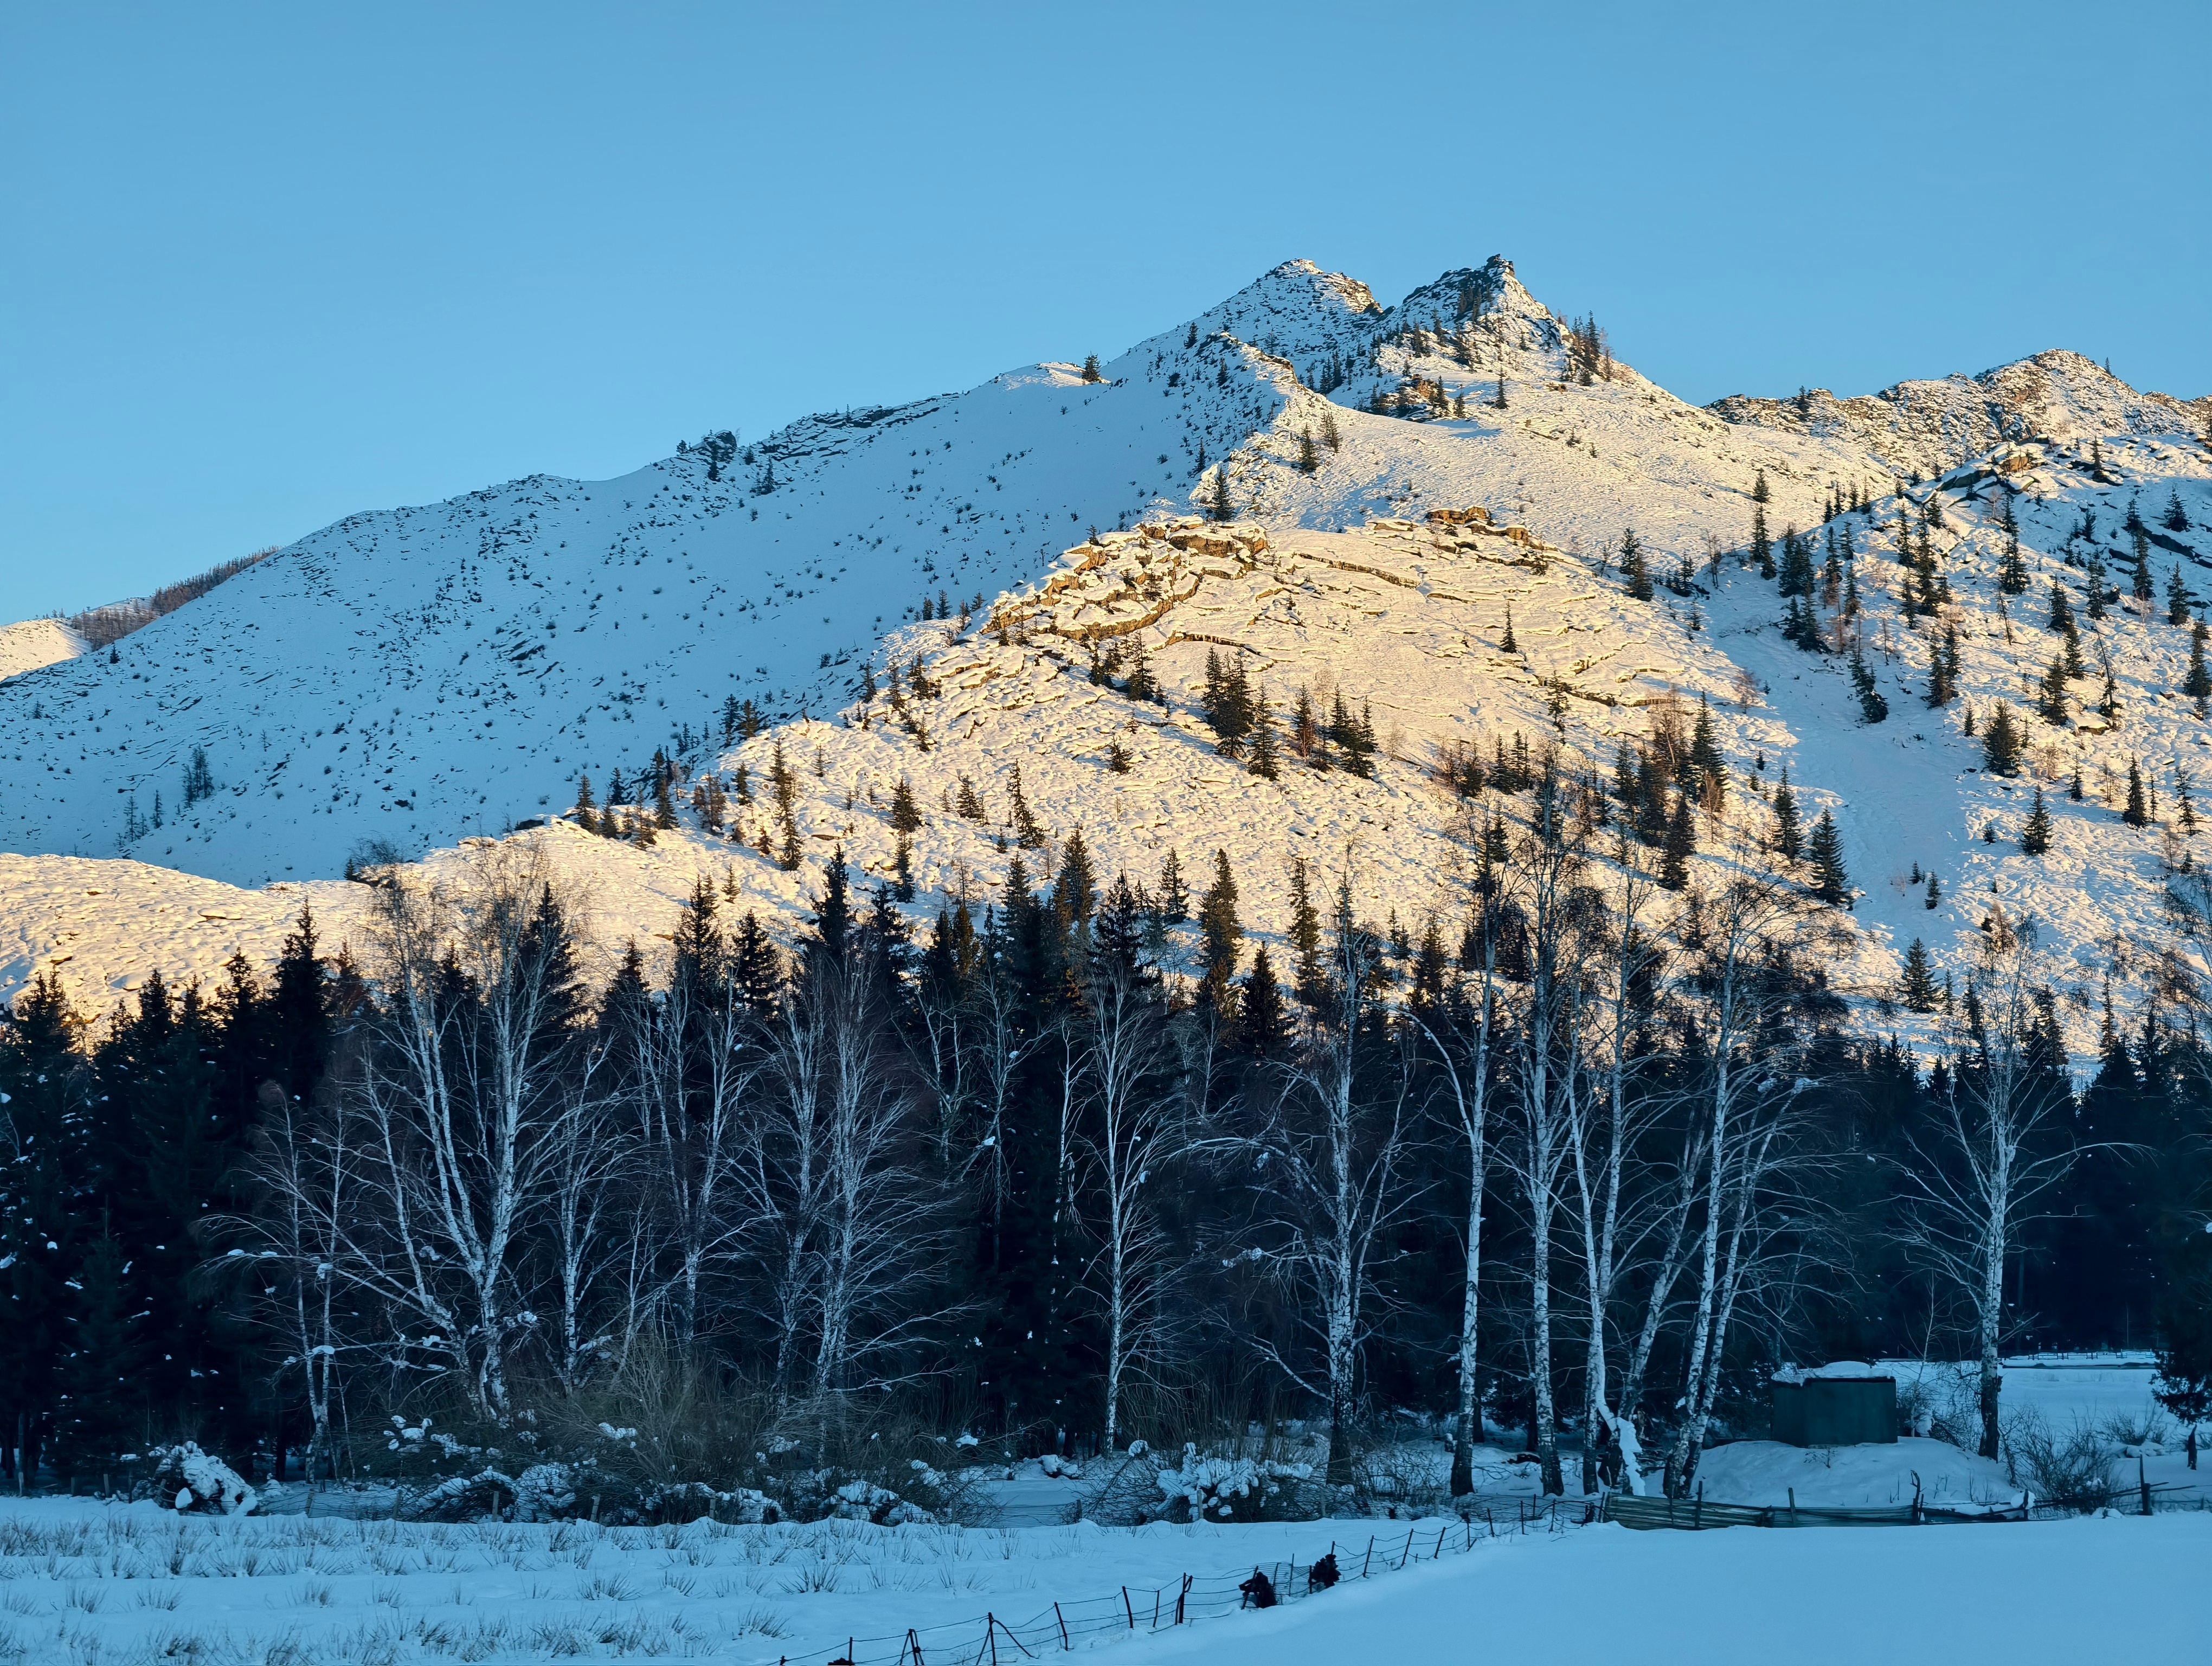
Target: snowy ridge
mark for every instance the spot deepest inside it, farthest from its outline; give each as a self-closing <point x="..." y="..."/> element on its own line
<point x="36" y="643"/>
<point x="421" y="676"/>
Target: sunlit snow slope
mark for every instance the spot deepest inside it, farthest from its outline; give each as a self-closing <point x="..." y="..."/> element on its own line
<point x="421" y="676"/>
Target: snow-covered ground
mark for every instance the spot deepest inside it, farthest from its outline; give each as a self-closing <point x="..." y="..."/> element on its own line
<point x="82" y="1583"/>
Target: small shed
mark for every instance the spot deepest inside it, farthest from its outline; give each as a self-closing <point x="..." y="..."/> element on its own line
<point x="1844" y="1404"/>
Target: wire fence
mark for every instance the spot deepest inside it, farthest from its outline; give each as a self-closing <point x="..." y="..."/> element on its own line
<point x="994" y="1639"/>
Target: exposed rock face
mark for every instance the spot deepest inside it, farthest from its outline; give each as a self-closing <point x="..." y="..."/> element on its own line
<point x="1927" y="427"/>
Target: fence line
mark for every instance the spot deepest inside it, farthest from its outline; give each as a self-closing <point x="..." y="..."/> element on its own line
<point x="992" y="1640"/>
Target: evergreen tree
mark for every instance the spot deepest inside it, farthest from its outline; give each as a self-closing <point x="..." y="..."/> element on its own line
<point x="2198" y="685"/>
<point x="1789" y="838"/>
<point x="1762" y="543"/>
<point x="1075" y="890"/>
<point x="1262" y="761"/>
<point x="1305" y="928"/>
<point x="1220" y="933"/>
<point x="1935" y="891"/>
<point x="1174" y="899"/>
<point x="905" y="814"/>
<point x="1117" y="757"/>
<point x="2050" y="702"/>
<point x="1826" y="848"/>
<point x="2012" y="567"/>
<point x="968" y="803"/>
<point x="1221" y="508"/>
<point x="1918" y="991"/>
<point x="2144" y="589"/>
<point x="1091" y="366"/>
<point x="587" y="817"/>
<point x="1761" y="493"/>
<point x="2001" y="743"/>
<point x="1308" y="460"/>
<point x="2138" y="813"/>
<point x="1873" y="707"/>
<point x="1681" y="843"/>
<point x="2035" y="837"/>
<point x="2177" y="599"/>
<point x="1505" y="643"/>
<point x="1633" y="567"/>
<point x="1027" y="833"/>
<point x="1263" y="1020"/>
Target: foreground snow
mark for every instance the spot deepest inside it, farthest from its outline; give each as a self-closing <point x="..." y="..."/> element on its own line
<point x="81" y="1583"/>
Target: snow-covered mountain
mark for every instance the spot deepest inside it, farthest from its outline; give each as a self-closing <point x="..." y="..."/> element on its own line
<point x="421" y="678"/>
<point x="36" y="643"/>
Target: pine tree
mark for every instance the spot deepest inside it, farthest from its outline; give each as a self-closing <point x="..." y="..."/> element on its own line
<point x="1075" y="889"/>
<point x="2011" y="568"/>
<point x="1873" y="707"/>
<point x="1762" y="543"/>
<point x="902" y="870"/>
<point x="1263" y="1026"/>
<point x="587" y="816"/>
<point x="1935" y="891"/>
<point x="1220" y="933"/>
<point x="1787" y="835"/>
<point x="2144" y="589"/>
<point x="1505" y="643"/>
<point x="1308" y="459"/>
<point x="1027" y="833"/>
<point x="1633" y="567"/>
<point x="905" y="814"/>
<point x="1918" y="991"/>
<point x="968" y="803"/>
<point x="2198" y="685"/>
<point x="1091" y="368"/>
<point x="2035" y="837"/>
<point x="1497" y="403"/>
<point x="2001" y="743"/>
<point x="1305" y="928"/>
<point x="1262" y="761"/>
<point x="1760" y="492"/>
<point x="2050" y="703"/>
<point x="2137" y="814"/>
<point x="1222" y="510"/>
<point x="1329" y="435"/>
<point x="1174" y="899"/>
<point x="1681" y="843"/>
<point x="2177" y="599"/>
<point x="1117" y="757"/>
<point x="1826" y="848"/>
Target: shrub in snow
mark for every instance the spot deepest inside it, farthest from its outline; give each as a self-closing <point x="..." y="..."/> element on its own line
<point x="1059" y="1468"/>
<point x="190" y="1481"/>
<point x="865" y="1501"/>
<point x="1237" y="1489"/>
<point x="545" y="1492"/>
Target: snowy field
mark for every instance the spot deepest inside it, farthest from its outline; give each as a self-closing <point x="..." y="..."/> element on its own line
<point x="82" y="1582"/>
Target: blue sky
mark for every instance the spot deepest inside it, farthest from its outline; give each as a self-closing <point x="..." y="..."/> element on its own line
<point x="266" y="267"/>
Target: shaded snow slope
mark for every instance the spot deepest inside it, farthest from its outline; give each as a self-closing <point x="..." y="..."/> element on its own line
<point x="34" y="644"/>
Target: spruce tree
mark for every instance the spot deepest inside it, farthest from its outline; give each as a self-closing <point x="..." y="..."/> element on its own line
<point x="2198" y="685"/>
<point x="1262" y="761"/>
<point x="2144" y="589"/>
<point x="1075" y="888"/>
<point x="1633" y="567"/>
<point x="2177" y="599"/>
<point x="1789" y="838"/>
<point x="2035" y="837"/>
<point x="587" y="815"/>
<point x="1873" y="707"/>
<point x="1091" y="368"/>
<point x="905" y="814"/>
<point x="2138" y="813"/>
<point x="968" y="803"/>
<point x="1762" y="543"/>
<point x="1305" y="928"/>
<point x="1308" y="459"/>
<point x="2001" y="741"/>
<point x="1935" y="891"/>
<point x="1826" y="848"/>
<point x="2050" y="702"/>
<point x="1681" y="844"/>
<point x="1505" y="643"/>
<point x="2011" y="568"/>
<point x="1221" y="508"/>
<point x="1220" y="933"/>
<point x="1918" y="991"/>
<point x="1263" y="1025"/>
<point x="1117" y="757"/>
<point x="1761" y="493"/>
<point x="1027" y="833"/>
<point x="1174" y="898"/>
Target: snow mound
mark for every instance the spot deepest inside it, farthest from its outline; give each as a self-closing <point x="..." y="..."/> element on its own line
<point x="191" y="1482"/>
<point x="1764" y="1472"/>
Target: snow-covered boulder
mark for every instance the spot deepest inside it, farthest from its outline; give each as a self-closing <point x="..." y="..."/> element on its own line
<point x="193" y="1482"/>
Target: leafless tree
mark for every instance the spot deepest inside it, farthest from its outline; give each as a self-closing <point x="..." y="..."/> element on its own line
<point x="2000" y="1142"/>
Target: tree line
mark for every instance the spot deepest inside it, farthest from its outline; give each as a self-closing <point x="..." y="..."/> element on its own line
<point x="1079" y="1162"/>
